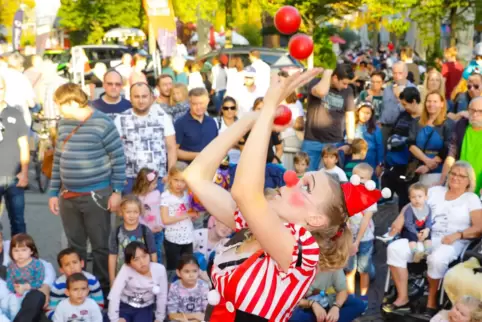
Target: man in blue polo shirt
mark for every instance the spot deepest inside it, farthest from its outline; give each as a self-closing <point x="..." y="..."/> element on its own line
<point x="195" y="129"/>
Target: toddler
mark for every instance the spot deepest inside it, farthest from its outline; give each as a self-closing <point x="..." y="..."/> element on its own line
<point x="70" y="264"/>
<point x="330" y="159"/>
<point x="78" y="307"/>
<point x="25" y="272"/>
<point x="363" y="230"/>
<point x="418" y="222"/>
<point x="139" y="291"/>
<point x="301" y="162"/>
<point x="464" y="310"/>
<point x="145" y="188"/>
<point x="359" y="149"/>
<point x="178" y="220"/>
<point x="130" y="230"/>
<point x="188" y="296"/>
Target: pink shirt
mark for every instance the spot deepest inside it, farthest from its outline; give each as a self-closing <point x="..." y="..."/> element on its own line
<point x="152" y="210"/>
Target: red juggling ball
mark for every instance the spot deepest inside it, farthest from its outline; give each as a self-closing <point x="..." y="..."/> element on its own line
<point x="284" y="115"/>
<point x="287" y="20"/>
<point x="300" y="46"/>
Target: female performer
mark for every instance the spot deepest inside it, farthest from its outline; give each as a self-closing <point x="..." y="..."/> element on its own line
<point x="263" y="277"/>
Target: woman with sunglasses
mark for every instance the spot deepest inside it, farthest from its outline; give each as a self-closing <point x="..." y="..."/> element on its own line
<point x="462" y="100"/>
<point x="227" y="116"/>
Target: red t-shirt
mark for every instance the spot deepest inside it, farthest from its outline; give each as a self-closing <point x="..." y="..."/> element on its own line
<point x="452" y="72"/>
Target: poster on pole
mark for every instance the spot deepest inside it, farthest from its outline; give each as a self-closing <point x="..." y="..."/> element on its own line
<point x="161" y="17"/>
<point x="17" y="29"/>
<point x="45" y="14"/>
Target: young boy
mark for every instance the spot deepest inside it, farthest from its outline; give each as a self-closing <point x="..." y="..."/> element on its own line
<point x="70" y="263"/>
<point x="359" y="149"/>
<point x="363" y="230"/>
<point x="78" y="307"/>
<point x="330" y="159"/>
<point x="301" y="162"/>
<point x="418" y="222"/>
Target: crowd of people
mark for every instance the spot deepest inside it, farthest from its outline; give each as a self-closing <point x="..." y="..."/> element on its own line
<point x="133" y="176"/>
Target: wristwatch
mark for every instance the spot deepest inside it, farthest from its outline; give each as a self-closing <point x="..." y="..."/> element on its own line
<point x="117" y="191"/>
<point x="336" y="305"/>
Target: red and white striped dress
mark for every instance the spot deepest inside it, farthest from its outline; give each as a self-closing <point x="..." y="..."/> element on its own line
<point x="265" y="290"/>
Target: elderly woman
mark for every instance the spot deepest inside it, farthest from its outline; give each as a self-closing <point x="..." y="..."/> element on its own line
<point x="457" y="216"/>
<point x="429" y="138"/>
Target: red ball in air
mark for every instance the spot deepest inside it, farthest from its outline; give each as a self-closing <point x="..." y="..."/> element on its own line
<point x="283" y="115"/>
<point x="290" y="178"/>
<point x="300" y="46"/>
<point x="287" y="20"/>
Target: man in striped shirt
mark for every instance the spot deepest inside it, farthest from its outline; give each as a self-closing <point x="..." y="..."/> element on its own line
<point x="88" y="176"/>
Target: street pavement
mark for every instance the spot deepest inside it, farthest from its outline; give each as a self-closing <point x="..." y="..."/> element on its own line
<point x="46" y="230"/>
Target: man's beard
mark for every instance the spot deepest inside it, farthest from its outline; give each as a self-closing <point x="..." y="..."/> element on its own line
<point x="476" y="123"/>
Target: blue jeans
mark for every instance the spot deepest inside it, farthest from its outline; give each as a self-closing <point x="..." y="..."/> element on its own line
<point x="159" y="240"/>
<point x="130" y="184"/>
<point x="362" y="260"/>
<point x="351" y="309"/>
<point x="218" y="99"/>
<point x="313" y="149"/>
<point x="15" y="204"/>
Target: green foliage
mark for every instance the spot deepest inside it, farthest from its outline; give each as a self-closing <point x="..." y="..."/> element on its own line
<point x="88" y="20"/>
<point x="251" y="33"/>
<point x="323" y="51"/>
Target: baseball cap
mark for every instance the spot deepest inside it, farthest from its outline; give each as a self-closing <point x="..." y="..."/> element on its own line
<point x="250" y="72"/>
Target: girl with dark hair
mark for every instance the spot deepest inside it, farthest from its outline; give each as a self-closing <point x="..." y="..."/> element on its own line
<point x="140" y="289"/>
<point x="188" y="296"/>
<point x="228" y="114"/>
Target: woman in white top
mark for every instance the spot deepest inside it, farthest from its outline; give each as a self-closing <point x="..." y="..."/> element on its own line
<point x="235" y="76"/>
<point x="227" y="116"/>
<point x="456" y="217"/>
<point x="195" y="77"/>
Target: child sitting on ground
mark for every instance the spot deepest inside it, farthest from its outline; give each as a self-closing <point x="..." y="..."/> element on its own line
<point x="330" y="159"/>
<point x="301" y="162"/>
<point x="359" y="149"/>
<point x="70" y="263"/>
<point x="188" y="296"/>
<point x="363" y="230"/>
<point x="464" y="310"/>
<point x="78" y="307"/>
<point x="130" y="230"/>
<point x="418" y="222"/>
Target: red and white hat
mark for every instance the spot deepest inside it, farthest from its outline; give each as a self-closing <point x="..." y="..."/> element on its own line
<point x="359" y="197"/>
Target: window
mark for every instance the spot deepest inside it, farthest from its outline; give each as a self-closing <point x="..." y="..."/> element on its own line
<point x="277" y="59"/>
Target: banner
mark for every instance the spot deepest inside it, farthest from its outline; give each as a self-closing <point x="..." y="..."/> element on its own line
<point x="162" y="19"/>
<point x="17" y="29"/>
<point x="45" y="14"/>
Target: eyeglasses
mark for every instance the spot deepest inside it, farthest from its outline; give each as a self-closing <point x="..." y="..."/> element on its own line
<point x="458" y="175"/>
<point x="114" y="84"/>
<point x="476" y="86"/>
<point x="232" y="108"/>
<point x="474" y="111"/>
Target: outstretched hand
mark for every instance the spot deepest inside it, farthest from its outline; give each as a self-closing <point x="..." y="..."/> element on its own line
<point x="281" y="87"/>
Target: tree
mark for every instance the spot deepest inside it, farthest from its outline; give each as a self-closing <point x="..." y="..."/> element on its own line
<point x="87" y="20"/>
<point x="8" y="9"/>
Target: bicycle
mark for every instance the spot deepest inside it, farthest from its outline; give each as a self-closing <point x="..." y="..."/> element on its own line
<point x="42" y="143"/>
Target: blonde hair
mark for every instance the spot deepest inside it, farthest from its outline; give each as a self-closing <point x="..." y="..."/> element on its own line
<point x="131" y="199"/>
<point x="177" y="170"/>
<point x="417" y="186"/>
<point x="184" y="90"/>
<point x="442" y="115"/>
<point x="70" y="92"/>
<point x="334" y="250"/>
<point x="441" y="89"/>
<point x="363" y="167"/>
<point x="451" y="52"/>
<point x="470" y="173"/>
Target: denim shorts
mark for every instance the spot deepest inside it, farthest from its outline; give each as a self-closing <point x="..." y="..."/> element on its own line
<point x="363" y="259"/>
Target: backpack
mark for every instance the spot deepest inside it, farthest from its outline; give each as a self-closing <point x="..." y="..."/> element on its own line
<point x="144" y="234"/>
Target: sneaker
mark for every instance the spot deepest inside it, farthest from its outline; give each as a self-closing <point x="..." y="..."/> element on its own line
<point x="418" y="256"/>
<point x="392" y="308"/>
<point x="386" y="238"/>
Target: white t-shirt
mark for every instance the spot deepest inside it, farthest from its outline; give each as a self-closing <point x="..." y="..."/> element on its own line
<point x="263" y="75"/>
<point x="452" y="216"/>
<point x="195" y="81"/>
<point x="144" y="140"/>
<point x="245" y="99"/>
<point x="180" y="233"/>
<point x="234" y="82"/>
<point x="89" y="311"/>
<point x="219" y="77"/>
<point x="202" y="244"/>
<point x="338" y="171"/>
<point x="355" y="221"/>
<point x="19" y="90"/>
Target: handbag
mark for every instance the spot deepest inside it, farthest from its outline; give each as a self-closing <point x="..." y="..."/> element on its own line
<point x="48" y="160"/>
<point x="410" y="174"/>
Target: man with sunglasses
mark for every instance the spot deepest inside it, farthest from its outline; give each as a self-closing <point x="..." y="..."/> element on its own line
<point x="462" y="101"/>
<point x="466" y="143"/>
<point x="111" y="102"/>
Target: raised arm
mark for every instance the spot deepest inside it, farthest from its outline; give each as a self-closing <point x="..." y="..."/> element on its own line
<point x="200" y="173"/>
<point x="248" y="187"/>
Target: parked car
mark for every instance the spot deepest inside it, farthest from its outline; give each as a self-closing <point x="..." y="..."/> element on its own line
<point x="277" y="59"/>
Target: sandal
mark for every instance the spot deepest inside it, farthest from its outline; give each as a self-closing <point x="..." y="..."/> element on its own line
<point x="429" y="312"/>
<point x="391" y="308"/>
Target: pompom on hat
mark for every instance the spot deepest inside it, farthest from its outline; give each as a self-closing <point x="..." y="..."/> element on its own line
<point x="359" y="197"/>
